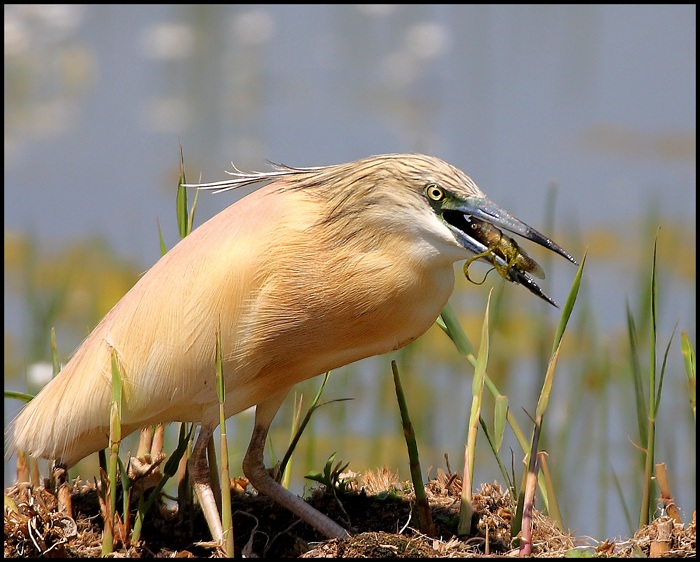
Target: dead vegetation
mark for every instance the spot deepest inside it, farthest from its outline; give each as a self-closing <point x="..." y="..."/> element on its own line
<point x="376" y="506"/>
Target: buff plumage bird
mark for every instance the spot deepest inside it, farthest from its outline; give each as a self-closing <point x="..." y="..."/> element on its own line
<point x="319" y="268"/>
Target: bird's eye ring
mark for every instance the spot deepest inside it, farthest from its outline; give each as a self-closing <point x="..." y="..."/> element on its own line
<point x="434" y="192"/>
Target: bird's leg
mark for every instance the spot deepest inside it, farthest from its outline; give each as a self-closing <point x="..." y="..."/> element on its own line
<point x="60" y="474"/>
<point x="214" y="473"/>
<point x="254" y="469"/>
<point x="199" y="473"/>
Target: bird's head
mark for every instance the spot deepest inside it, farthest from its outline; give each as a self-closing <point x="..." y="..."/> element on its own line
<point x="416" y="195"/>
<point x="474" y="222"/>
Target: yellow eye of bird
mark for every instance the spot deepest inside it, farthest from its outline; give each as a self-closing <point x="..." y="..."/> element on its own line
<point x="434" y="192"/>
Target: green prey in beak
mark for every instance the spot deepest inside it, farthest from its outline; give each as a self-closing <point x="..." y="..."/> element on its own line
<point x="477" y="222"/>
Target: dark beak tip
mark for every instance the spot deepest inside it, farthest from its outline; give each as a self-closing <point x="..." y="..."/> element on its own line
<point x="547" y="298"/>
<point x="525" y="279"/>
<point x="559" y="250"/>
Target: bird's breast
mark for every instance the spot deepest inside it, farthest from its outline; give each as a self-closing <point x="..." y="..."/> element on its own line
<point x="323" y="310"/>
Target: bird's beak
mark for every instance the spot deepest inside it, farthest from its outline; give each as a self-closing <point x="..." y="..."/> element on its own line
<point x="477" y="224"/>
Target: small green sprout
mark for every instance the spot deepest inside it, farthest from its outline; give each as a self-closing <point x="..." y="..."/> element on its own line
<point x="332" y="476"/>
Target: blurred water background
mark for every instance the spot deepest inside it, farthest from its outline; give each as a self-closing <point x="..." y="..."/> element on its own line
<point x="586" y="110"/>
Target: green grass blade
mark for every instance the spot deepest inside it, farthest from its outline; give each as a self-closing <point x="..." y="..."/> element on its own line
<point x="284" y="475"/>
<point x="554" y="512"/>
<point x="161" y="241"/>
<point x="648" y="485"/>
<point x="478" y="386"/>
<point x="543" y="400"/>
<point x="623" y="503"/>
<point x="55" y="362"/>
<point x="494" y="450"/>
<point x="425" y="518"/>
<point x="220" y="388"/>
<point x="542" y="404"/>
<point x="466" y="509"/>
<point x="190" y="222"/>
<point x="500" y="415"/>
<point x="181" y="209"/>
<point x="636" y="371"/>
<point x="450" y="325"/>
<point x="117" y="384"/>
<point x="181" y="199"/>
<point x="115" y="437"/>
<point x="569" y="305"/>
<point x="226" y="516"/>
<point x="662" y="372"/>
<point x="22" y="396"/>
<point x="652" y="338"/>
<point x="603" y="449"/>
<point x="302" y="426"/>
<point x="689" y="360"/>
<point x="126" y="496"/>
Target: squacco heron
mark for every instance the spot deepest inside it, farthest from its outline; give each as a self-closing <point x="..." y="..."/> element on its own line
<point x="319" y="268"/>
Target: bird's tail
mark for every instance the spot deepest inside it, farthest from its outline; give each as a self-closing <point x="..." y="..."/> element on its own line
<point x="69" y="418"/>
